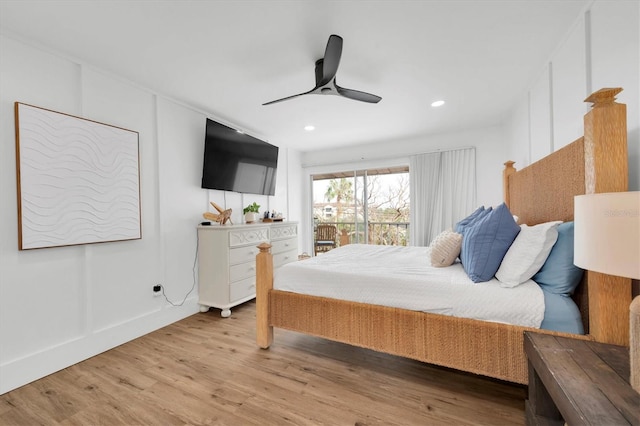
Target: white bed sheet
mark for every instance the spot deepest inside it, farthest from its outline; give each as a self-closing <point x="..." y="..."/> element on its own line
<point x="402" y="277"/>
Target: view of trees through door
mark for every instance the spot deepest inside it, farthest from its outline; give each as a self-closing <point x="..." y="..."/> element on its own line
<point x="367" y="206"/>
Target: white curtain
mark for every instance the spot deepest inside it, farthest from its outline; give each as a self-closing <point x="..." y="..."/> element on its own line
<point x="442" y="191"/>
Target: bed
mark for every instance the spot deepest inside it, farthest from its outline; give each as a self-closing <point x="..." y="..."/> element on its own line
<point x="542" y="192"/>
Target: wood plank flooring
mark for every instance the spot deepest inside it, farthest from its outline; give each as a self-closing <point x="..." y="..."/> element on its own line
<point x="207" y="370"/>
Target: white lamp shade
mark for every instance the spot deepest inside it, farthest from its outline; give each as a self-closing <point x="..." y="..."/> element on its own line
<point x="607" y="233"/>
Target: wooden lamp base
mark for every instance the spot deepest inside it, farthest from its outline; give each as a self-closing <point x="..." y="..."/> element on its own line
<point x="634" y="343"/>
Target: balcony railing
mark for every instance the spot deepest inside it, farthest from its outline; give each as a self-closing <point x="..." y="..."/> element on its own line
<point x="378" y="233"/>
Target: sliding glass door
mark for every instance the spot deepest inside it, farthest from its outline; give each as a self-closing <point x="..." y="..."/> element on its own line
<point x="366" y="206"/>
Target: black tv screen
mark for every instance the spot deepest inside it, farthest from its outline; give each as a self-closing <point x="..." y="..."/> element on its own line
<point x="235" y="161"/>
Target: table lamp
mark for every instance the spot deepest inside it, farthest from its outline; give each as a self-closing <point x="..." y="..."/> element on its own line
<point x="607" y="240"/>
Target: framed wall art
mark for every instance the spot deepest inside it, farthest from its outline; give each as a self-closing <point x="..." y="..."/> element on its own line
<point x="78" y="180"/>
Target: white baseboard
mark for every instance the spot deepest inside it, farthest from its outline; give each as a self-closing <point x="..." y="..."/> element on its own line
<point x="19" y="372"/>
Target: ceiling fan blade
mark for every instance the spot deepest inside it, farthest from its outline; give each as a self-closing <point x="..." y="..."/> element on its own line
<point x="331" y="59"/>
<point x="326" y="69"/>
<point x="287" y="98"/>
<point x="358" y="96"/>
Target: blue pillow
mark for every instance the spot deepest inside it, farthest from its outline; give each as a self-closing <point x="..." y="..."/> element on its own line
<point x="485" y="243"/>
<point x="467" y="220"/>
<point x="561" y="314"/>
<point x="559" y="274"/>
<point x="466" y="223"/>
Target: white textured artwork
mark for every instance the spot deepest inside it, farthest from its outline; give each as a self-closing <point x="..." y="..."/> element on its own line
<point x="78" y="180"/>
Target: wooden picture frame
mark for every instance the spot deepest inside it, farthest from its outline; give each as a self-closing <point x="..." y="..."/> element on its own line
<point x="78" y="180"/>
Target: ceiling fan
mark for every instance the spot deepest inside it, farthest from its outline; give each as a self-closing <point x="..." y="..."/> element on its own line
<point x="326" y="69"/>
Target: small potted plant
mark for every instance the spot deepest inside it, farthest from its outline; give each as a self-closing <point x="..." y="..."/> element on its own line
<point x="251" y="212"/>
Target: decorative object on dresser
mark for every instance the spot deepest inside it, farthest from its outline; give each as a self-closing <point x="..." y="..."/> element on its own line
<point x="607" y="241"/>
<point x="222" y="217"/>
<point x="227" y="260"/>
<point x="251" y="212"/>
<point x="541" y="192"/>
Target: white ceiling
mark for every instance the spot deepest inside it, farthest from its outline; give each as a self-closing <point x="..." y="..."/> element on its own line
<point x="229" y="57"/>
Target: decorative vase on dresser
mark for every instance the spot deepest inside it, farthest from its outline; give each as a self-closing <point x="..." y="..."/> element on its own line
<point x="250" y="217"/>
<point x="227" y="260"/>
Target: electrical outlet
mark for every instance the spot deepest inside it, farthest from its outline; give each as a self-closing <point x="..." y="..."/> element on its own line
<point x="156" y="289"/>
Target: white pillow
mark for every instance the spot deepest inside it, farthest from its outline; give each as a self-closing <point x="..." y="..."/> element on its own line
<point x="445" y="248"/>
<point x="527" y="253"/>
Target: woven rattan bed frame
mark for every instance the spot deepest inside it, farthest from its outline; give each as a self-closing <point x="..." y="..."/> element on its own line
<point x="543" y="191"/>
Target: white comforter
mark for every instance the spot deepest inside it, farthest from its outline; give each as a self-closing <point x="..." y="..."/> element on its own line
<point x="402" y="277"/>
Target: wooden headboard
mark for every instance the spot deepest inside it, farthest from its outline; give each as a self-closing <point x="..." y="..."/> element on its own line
<point x="596" y="162"/>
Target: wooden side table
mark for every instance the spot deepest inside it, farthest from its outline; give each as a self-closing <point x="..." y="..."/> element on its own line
<point x="578" y="381"/>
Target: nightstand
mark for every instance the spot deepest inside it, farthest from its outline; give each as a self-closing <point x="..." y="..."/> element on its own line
<point x="578" y="381"/>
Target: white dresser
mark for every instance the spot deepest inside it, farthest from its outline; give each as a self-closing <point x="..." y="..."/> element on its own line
<point x="227" y="260"/>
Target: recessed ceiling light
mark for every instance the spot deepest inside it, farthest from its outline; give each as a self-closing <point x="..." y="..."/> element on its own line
<point x="437" y="103"/>
<point x="309" y="128"/>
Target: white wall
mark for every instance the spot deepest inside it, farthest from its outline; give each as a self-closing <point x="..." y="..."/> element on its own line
<point x="539" y="114"/>
<point x="517" y="136"/>
<point x="59" y="306"/>
<point x="602" y="49"/>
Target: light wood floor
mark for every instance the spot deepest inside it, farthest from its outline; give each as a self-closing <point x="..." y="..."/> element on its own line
<point x="207" y="370"/>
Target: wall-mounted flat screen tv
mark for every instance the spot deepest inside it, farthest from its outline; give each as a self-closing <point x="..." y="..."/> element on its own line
<point x="235" y="161"/>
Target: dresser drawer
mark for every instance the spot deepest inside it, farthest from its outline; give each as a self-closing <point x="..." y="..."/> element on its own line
<point x="283" y="231"/>
<point x="284" y="245"/>
<point x="242" y="289"/>
<point x="285" y="257"/>
<point x="242" y="271"/>
<point x="243" y="254"/>
<point x="244" y="237"/>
